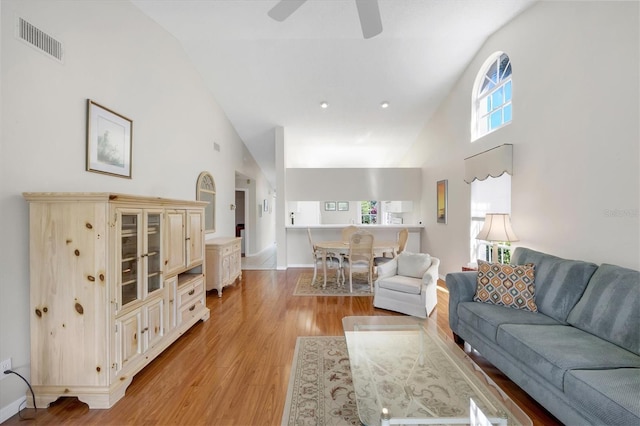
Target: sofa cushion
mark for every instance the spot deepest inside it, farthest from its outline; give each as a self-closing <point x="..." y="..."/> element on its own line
<point x="551" y="350"/>
<point x="610" y="395"/>
<point x="486" y="318"/>
<point x="413" y="264"/>
<point x="559" y="282"/>
<point x="610" y="307"/>
<point x="402" y="284"/>
<point x="507" y="285"/>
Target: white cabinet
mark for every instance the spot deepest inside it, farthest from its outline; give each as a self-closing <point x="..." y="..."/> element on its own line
<point x="109" y="274"/>
<point x="195" y="237"/>
<point x="171" y="286"/>
<point x="223" y="262"/>
<point x="175" y="245"/>
<point x="191" y="297"/>
<point x="185" y="239"/>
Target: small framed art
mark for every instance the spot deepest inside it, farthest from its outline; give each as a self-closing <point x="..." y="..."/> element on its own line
<point x="109" y="137"/>
<point x="343" y="206"/>
<point x="330" y="205"/>
<point x="441" y="202"/>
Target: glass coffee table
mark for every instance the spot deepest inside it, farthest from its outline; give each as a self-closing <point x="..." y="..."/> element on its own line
<point x="406" y="372"/>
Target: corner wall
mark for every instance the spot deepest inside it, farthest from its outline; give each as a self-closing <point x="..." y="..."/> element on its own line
<point x="575" y="131"/>
<point x="123" y="60"/>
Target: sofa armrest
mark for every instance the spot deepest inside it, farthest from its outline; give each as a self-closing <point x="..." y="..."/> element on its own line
<point x="431" y="274"/>
<point x="462" y="288"/>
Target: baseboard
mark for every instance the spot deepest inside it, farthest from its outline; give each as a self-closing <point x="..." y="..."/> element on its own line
<point x="300" y="265"/>
<point x="11" y="409"/>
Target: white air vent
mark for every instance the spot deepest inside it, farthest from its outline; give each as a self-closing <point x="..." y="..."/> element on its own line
<point x="39" y="39"/>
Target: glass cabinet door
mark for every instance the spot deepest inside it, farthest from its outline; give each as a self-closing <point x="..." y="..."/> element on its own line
<point x="153" y="253"/>
<point x="130" y="243"/>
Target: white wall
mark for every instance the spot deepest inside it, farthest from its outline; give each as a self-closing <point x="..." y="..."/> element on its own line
<point x="575" y="131"/>
<point x="353" y="184"/>
<point x="123" y="60"/>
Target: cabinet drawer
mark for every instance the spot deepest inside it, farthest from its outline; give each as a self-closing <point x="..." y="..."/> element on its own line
<point x="190" y="310"/>
<point x="189" y="293"/>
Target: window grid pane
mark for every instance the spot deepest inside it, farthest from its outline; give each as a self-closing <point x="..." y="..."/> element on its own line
<point x="493" y="107"/>
<point x="496" y="120"/>
<point x="507" y="113"/>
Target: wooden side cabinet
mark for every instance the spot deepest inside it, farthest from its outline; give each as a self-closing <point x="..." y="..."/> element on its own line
<point x="114" y="280"/>
<point x="223" y="262"/>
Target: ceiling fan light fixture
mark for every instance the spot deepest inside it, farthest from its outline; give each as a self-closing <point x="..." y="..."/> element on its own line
<point x="368" y="12"/>
<point x="324" y="105"/>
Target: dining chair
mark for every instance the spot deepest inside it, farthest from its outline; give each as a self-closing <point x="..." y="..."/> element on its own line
<point x="403" y="236"/>
<point x="360" y="257"/>
<point x="333" y="261"/>
<point x="347" y="232"/>
<point x="346" y="235"/>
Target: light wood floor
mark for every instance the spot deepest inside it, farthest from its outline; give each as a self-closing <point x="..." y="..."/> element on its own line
<point x="234" y="368"/>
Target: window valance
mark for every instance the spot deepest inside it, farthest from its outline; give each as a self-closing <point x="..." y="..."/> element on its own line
<point x="493" y="162"/>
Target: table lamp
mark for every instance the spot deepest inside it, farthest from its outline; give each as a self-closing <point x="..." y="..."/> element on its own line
<point x="497" y="228"/>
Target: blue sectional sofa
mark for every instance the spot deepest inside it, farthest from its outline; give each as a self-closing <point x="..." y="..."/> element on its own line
<point x="579" y="355"/>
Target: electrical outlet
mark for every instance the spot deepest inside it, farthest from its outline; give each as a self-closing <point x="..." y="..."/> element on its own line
<point x="4" y="366"/>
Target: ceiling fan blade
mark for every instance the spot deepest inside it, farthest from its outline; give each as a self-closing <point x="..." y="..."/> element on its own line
<point x="370" y="20"/>
<point x="284" y="9"/>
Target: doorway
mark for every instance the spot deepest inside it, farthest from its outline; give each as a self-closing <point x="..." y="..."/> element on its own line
<point x="241" y="201"/>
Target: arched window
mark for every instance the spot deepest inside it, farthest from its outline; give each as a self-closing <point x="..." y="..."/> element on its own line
<point x="206" y="191"/>
<point x="491" y="97"/>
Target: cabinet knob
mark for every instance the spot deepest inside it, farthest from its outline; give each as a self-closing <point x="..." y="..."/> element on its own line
<point x="191" y="292"/>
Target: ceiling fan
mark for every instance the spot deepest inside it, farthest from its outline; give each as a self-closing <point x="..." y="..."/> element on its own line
<point x="368" y="11"/>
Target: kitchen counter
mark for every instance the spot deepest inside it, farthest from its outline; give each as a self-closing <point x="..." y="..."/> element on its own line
<point x="299" y="250"/>
<point x="411" y="227"/>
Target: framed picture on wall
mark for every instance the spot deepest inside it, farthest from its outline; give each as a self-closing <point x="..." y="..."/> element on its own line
<point x="109" y="136"/>
<point x="441" y="201"/>
<point x="343" y="206"/>
<point x="330" y="205"/>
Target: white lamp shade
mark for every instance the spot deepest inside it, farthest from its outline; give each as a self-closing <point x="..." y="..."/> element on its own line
<point x="497" y="227"/>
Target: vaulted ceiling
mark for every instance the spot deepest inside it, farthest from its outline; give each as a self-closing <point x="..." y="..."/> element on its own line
<point x="266" y="73"/>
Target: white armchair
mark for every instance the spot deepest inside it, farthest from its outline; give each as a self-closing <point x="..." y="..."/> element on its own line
<point x="407" y="284"/>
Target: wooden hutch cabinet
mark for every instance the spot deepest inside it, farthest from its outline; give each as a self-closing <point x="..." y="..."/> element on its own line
<point x="115" y="279"/>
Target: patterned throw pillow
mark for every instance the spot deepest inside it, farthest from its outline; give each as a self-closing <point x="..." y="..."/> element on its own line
<point x="507" y="285"/>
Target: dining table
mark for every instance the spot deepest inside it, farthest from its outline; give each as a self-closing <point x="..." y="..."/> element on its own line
<point x="340" y="247"/>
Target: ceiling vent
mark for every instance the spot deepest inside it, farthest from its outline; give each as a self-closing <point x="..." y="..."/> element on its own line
<point x="39" y="39"/>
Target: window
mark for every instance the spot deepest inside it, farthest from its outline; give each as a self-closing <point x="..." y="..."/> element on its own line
<point x="206" y="191"/>
<point x="491" y="106"/>
<point x="368" y="212"/>
<point x="492" y="195"/>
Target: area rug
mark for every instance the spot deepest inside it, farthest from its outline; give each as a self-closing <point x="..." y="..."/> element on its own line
<point x="320" y="388"/>
<point x="304" y="285"/>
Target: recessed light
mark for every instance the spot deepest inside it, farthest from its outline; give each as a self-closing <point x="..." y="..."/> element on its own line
<point x="324" y="105"/>
<point x="384" y="104"/>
